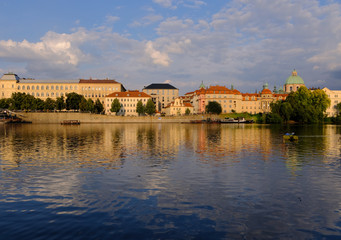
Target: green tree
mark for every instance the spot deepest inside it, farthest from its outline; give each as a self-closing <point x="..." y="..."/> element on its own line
<point x="187" y="112"/>
<point x="16" y="100"/>
<point x="83" y="106"/>
<point x="213" y="107"/>
<point x="98" y="106"/>
<point x="60" y="103"/>
<point x="115" y="106"/>
<point x="140" y="109"/>
<point x="38" y="104"/>
<point x="338" y="108"/>
<point x="90" y="105"/>
<point x="50" y="104"/>
<point x="286" y="111"/>
<point x="4" y="103"/>
<point x="72" y="101"/>
<point x="27" y="102"/>
<point x="150" y="107"/>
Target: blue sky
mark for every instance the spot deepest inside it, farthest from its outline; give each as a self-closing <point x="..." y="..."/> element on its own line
<point x="245" y="43"/>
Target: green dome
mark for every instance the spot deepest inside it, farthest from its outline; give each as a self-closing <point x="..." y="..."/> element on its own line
<point x="294" y="79"/>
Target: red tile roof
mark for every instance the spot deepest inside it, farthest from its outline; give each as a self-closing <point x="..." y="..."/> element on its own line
<point x="97" y="81"/>
<point x="135" y="94"/>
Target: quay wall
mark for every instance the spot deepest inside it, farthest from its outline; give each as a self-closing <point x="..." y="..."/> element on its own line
<point x="58" y="117"/>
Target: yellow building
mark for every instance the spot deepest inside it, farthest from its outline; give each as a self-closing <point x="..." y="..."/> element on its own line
<point x="128" y="101"/>
<point x="89" y="88"/>
<point x="162" y="94"/>
<point x="178" y="107"/>
<point x="335" y="98"/>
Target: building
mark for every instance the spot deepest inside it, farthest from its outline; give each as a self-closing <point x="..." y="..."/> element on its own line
<point x="293" y="82"/>
<point x="89" y="88"/>
<point x="162" y="94"/>
<point x="128" y="102"/>
<point x="178" y="107"/>
<point x="335" y="98"/>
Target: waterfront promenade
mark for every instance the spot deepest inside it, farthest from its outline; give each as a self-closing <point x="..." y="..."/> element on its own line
<point x="57" y="117"/>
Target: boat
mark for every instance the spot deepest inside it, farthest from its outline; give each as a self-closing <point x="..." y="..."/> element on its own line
<point x="235" y="120"/>
<point x="70" y="122"/>
<point x="290" y="137"/>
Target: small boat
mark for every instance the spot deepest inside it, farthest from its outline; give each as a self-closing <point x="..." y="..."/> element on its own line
<point x="290" y="137"/>
<point x="235" y="120"/>
<point x="70" y="122"/>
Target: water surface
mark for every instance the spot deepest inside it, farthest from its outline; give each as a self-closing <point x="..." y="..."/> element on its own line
<point x="169" y="181"/>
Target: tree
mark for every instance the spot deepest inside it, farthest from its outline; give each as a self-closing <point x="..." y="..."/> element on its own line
<point x="50" y="104"/>
<point x="60" y="103"/>
<point x="187" y="112"/>
<point x="90" y="106"/>
<point x="301" y="106"/>
<point x="83" y="106"/>
<point x="213" y="107"/>
<point x="338" y="108"/>
<point x="98" y="106"/>
<point x="4" y="103"/>
<point x="17" y="99"/>
<point x="115" y="106"/>
<point x="27" y="102"/>
<point x="140" y="109"/>
<point x="38" y="104"/>
<point x="72" y="101"/>
<point x="150" y="107"/>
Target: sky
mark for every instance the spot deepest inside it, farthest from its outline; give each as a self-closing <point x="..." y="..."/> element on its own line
<point x="244" y="43"/>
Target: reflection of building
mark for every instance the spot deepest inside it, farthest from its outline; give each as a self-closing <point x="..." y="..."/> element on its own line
<point x="128" y="101"/>
<point x="162" y="94"/>
<point x="178" y="107"/>
<point x="89" y="88"/>
<point x="335" y="98"/>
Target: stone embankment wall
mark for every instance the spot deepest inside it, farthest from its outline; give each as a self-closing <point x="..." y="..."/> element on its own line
<point x="58" y="117"/>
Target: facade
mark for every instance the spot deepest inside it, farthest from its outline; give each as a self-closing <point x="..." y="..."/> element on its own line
<point x="162" y="94"/>
<point x="293" y="83"/>
<point x="335" y="98"/>
<point x="89" y="88"/>
<point x="231" y="100"/>
<point x="128" y="102"/>
<point x="178" y="107"/>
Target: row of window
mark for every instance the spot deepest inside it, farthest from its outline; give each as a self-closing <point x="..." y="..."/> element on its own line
<point x="159" y="91"/>
<point x="42" y="87"/>
<point x="99" y="89"/>
<point x="128" y="100"/>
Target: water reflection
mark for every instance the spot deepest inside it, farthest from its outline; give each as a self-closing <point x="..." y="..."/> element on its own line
<point x="169" y="181"/>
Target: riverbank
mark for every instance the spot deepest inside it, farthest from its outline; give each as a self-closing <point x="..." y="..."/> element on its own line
<point x="58" y="117"/>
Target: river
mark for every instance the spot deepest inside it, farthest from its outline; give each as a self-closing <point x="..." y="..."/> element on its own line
<point x="169" y="181"/>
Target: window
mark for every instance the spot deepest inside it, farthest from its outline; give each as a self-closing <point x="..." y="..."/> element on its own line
<point x="23" y="87"/>
<point x="61" y="87"/>
<point x="47" y="87"/>
<point x="66" y="88"/>
<point x="32" y="87"/>
<point x="57" y="88"/>
<point x="42" y="88"/>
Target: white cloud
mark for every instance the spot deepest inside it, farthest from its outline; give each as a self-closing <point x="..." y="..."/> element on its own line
<point x="158" y="57"/>
<point x="165" y="3"/>
<point x="112" y="19"/>
<point x="147" y="20"/>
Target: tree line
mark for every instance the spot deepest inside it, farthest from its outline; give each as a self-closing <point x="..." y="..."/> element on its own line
<point x="73" y="101"/>
<point x="303" y="106"/>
